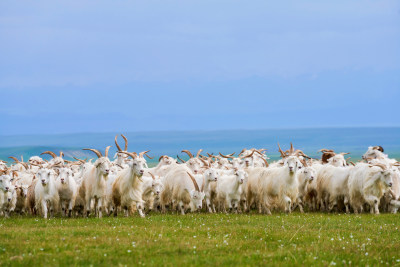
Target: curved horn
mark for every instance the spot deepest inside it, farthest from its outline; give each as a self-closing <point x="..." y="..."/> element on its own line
<point x="241" y="152"/>
<point x="131" y="154"/>
<point x="148" y="155"/>
<point x="210" y="155"/>
<point x="382" y="166"/>
<point x="50" y="153"/>
<point x="227" y="157"/>
<point x="352" y="163"/>
<point x="180" y="159"/>
<point x="324" y="150"/>
<point x="116" y="143"/>
<point x="230" y="155"/>
<point x="24" y="164"/>
<point x="187" y="152"/>
<point x="126" y="142"/>
<point x="291" y="151"/>
<point x="196" y="186"/>
<point x="14" y="158"/>
<point x="265" y="161"/>
<point x="205" y="162"/>
<point x="152" y="176"/>
<point x="283" y="155"/>
<point x="198" y="153"/>
<point x="80" y="160"/>
<point x="251" y="154"/>
<point x="160" y="158"/>
<point x="141" y="154"/>
<point x="98" y="153"/>
<point x="61" y="154"/>
<point x="106" y="151"/>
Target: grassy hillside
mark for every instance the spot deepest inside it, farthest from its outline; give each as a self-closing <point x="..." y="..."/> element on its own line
<point x="203" y="239"/>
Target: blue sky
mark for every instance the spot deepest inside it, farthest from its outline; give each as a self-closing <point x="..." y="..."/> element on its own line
<point x="101" y="66"/>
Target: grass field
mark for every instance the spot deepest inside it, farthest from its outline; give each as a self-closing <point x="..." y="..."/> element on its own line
<point x="203" y="239"/>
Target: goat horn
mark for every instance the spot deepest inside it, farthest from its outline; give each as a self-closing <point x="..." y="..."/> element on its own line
<point x="198" y="153"/>
<point x="148" y="155"/>
<point x="210" y="155"/>
<point x="196" y="186"/>
<point x="188" y="152"/>
<point x="61" y="154"/>
<point x="24" y="164"/>
<point x="14" y="158"/>
<point x="352" y="163"/>
<point x="283" y="155"/>
<point x="50" y="153"/>
<point x="141" y="154"/>
<point x="265" y="161"/>
<point x="227" y="157"/>
<point x="241" y="152"/>
<point x="343" y="153"/>
<point x="250" y="155"/>
<point x="116" y="143"/>
<point x="204" y="162"/>
<point x="98" y="153"/>
<point x="324" y="150"/>
<point x="291" y="149"/>
<point x="106" y="151"/>
<point x="131" y="154"/>
<point x="180" y="159"/>
<point x="80" y="160"/>
<point x="126" y="142"/>
<point x="160" y="158"/>
<point x="152" y="176"/>
<point x="382" y="166"/>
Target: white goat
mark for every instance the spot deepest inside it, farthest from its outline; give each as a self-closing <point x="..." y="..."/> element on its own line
<point x="46" y="194"/>
<point x="67" y="190"/>
<point x="367" y="184"/>
<point x="127" y="188"/>
<point x="93" y="185"/>
<point x="229" y="190"/>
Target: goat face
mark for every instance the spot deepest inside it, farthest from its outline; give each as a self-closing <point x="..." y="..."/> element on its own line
<point x="241" y="176"/>
<point x="24" y="189"/>
<point x="138" y="164"/>
<point x="292" y="163"/>
<point x="386" y="177"/>
<point x="236" y="163"/>
<point x="44" y="176"/>
<point x="157" y="186"/>
<point x="103" y="164"/>
<point x="64" y="175"/>
<point x="5" y="182"/>
<point x="248" y="161"/>
<point x="338" y="161"/>
<point x="373" y="153"/>
<point x="194" y="165"/>
<point x="211" y="174"/>
<point x="9" y="195"/>
<point x="309" y="173"/>
<point x="197" y="199"/>
<point x="165" y="160"/>
<point x="121" y="157"/>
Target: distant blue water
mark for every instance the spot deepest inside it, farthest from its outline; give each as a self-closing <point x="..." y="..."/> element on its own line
<point x="354" y="140"/>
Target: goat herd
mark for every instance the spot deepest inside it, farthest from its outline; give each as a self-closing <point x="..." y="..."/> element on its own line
<point x="218" y="182"/>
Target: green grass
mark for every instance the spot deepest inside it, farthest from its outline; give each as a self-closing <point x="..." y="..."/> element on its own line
<point x="203" y="239"/>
